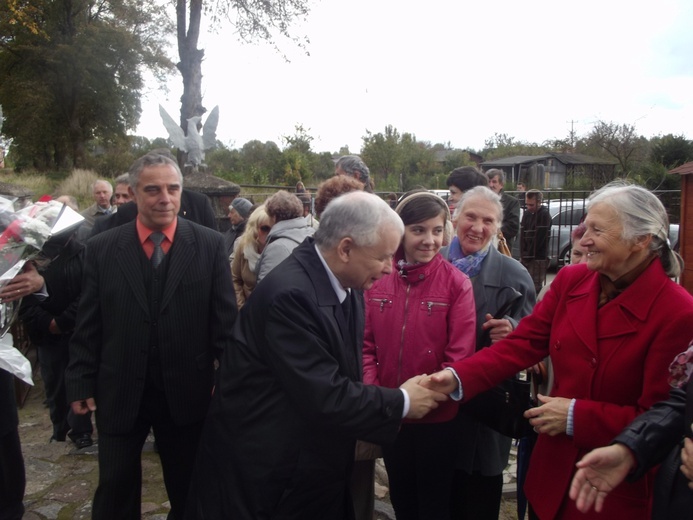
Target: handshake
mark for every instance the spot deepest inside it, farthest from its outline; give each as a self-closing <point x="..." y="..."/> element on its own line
<point x="425" y="392"/>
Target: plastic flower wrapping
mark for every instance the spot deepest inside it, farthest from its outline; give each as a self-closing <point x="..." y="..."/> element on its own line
<point x="23" y="234"/>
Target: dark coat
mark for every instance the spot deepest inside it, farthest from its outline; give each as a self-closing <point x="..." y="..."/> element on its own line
<point x="511" y="218"/>
<point x="613" y="360"/>
<point x="193" y="206"/>
<point x="63" y="277"/>
<point x="110" y="347"/>
<point x="288" y="406"/>
<point x="535" y="232"/>
<point x="480" y="448"/>
<point x="656" y="437"/>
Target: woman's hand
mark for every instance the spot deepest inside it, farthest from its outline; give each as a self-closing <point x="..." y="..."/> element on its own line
<point x="599" y="472"/>
<point x="498" y="329"/>
<point x="687" y="460"/>
<point x="551" y="417"/>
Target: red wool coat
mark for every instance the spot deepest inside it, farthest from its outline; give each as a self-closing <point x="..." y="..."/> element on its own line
<point x="613" y="360"/>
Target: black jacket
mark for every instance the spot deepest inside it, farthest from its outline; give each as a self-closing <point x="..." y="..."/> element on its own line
<point x="535" y="232"/>
<point x="289" y="405"/>
<point x="63" y="280"/>
<point x="656" y="437"/>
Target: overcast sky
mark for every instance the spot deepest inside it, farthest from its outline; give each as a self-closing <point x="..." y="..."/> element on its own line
<point x="451" y="71"/>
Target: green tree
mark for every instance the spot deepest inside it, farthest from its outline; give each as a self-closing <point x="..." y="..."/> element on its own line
<point x="671" y="150"/>
<point x="262" y="161"/>
<point x="380" y="153"/>
<point x="297" y="157"/>
<point x="503" y="145"/>
<point x="72" y="71"/>
<point x="620" y="142"/>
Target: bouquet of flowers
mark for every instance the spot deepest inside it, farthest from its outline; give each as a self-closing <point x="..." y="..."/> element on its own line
<point x="23" y="234"/>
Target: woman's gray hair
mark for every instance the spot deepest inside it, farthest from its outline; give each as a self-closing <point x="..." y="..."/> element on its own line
<point x="485" y="193"/>
<point x="641" y="214"/>
<point x="358" y="215"/>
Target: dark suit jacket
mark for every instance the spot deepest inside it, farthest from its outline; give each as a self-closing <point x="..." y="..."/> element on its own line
<point x="193" y="206"/>
<point x="279" y="439"/>
<point x="109" y="349"/>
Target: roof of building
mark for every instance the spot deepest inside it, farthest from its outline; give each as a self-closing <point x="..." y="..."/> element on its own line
<point x="684" y="169"/>
<point x="565" y="158"/>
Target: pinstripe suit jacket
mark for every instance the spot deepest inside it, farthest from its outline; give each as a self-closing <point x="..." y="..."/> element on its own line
<point x="110" y="347"/>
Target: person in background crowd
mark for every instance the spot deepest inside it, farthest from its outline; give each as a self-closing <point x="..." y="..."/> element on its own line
<point x="49" y="323"/>
<point x="419" y="319"/>
<point x="521" y="188"/>
<point x="68" y="200"/>
<point x="462" y="179"/>
<point x="499" y="282"/>
<point x="511" y="206"/>
<point x="535" y="232"/>
<point x="353" y="166"/>
<point x="102" y="192"/>
<point x="333" y="188"/>
<point x="611" y="327"/>
<point x="307" y="202"/>
<point x="248" y="249"/>
<point x="300" y="188"/>
<point x="289" y="402"/>
<point x="289" y="229"/>
<point x="239" y="211"/>
<point x="121" y="194"/>
<point x="157" y="309"/>
<point x="392" y="200"/>
<point x="578" y="253"/>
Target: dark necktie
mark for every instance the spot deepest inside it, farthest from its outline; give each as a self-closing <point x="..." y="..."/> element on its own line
<point x="158" y="255"/>
<point x="346" y="309"/>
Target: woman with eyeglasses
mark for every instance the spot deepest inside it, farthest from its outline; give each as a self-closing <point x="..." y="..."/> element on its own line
<point x="247" y="252"/>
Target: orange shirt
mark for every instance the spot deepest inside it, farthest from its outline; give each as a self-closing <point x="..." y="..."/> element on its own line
<point x="143" y="233"/>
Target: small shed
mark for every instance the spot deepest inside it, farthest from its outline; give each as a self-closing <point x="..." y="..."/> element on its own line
<point x="686" y="226"/>
<point x="552" y="170"/>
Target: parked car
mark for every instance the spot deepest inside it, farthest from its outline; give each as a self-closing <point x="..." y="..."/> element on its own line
<point x="566" y="215"/>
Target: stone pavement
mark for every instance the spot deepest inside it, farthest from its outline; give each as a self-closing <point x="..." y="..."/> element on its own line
<point x="61" y="480"/>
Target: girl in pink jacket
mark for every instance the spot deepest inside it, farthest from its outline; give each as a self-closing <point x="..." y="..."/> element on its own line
<point x="420" y="319"/>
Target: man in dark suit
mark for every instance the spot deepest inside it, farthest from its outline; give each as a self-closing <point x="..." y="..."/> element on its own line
<point x="511" y="206"/>
<point x="289" y="402"/>
<point x="157" y="308"/>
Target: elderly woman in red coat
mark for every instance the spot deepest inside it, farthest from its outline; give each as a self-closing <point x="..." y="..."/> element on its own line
<point x="611" y="327"/>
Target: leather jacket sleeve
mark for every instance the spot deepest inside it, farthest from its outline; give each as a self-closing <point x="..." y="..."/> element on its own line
<point x="653" y="434"/>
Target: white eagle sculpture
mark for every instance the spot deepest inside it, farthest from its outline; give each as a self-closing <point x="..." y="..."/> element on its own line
<point x="194" y="144"/>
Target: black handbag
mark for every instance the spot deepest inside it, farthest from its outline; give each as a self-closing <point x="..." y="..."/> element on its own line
<point x="502" y="408"/>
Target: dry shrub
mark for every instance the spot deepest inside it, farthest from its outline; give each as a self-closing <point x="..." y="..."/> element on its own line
<point x="79" y="184"/>
<point x="34" y="182"/>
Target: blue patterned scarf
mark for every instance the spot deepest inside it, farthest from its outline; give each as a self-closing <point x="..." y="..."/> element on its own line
<point x="470" y="264"/>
